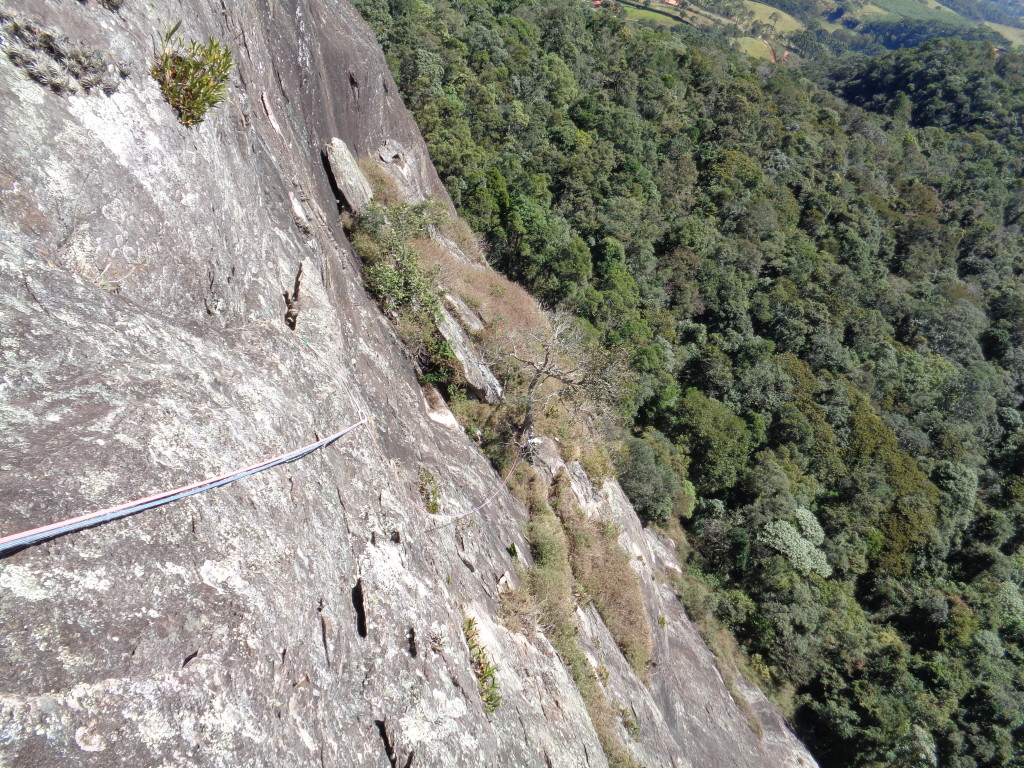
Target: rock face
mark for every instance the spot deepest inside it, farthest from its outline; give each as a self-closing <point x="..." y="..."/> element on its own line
<point x="687" y="712"/>
<point x="351" y="184"/>
<point x="477" y="375"/>
<point x="311" y="614"/>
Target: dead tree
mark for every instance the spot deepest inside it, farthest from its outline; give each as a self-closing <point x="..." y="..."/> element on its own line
<point x="590" y="378"/>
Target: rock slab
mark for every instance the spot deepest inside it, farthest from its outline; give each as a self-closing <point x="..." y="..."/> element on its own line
<point x="308" y="615"/>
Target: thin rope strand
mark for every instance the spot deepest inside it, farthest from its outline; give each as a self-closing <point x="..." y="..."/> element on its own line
<point x="34" y="535"/>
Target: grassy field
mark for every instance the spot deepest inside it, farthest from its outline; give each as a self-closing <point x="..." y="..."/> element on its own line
<point x="1014" y="35"/>
<point x="755" y="48"/>
<point x="657" y="18"/>
<point x="912" y="9"/>
<point x="867" y="10"/>
<point x="784" y="23"/>
<point x="762" y="13"/>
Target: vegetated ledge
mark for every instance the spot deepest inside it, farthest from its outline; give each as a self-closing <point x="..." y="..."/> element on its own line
<point x="312" y="613"/>
<point x="638" y="654"/>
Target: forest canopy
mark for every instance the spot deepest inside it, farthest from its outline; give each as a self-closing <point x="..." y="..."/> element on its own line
<point x="818" y="281"/>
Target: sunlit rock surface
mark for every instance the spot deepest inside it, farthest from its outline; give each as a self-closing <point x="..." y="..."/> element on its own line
<point x="311" y="614"/>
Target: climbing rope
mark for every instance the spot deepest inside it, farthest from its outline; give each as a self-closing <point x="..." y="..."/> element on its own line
<point x="522" y="449"/>
<point x="445" y="516"/>
<point x="481" y="505"/>
<point x="90" y="519"/>
<point x="23" y="539"/>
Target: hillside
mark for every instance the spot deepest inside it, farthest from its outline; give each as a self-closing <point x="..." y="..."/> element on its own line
<point x="821" y="307"/>
<point x="822" y="30"/>
<point x="184" y="300"/>
<point x="949" y="84"/>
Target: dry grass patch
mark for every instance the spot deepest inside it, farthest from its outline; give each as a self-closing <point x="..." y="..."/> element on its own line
<point x="551" y="582"/>
<point x="517" y="611"/>
<point x="498" y="300"/>
<point x="469" y="242"/>
<point x="604" y="572"/>
<point x="596" y="460"/>
<point x="385" y="188"/>
<point x="561" y="424"/>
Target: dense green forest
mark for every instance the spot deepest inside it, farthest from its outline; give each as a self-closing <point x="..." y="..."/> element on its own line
<point x="947" y="84"/>
<point x="818" y="278"/>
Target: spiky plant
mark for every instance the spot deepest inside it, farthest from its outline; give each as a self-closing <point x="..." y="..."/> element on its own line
<point x="52" y="60"/>
<point x="192" y="77"/>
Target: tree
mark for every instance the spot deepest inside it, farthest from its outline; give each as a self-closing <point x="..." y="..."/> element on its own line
<point x="584" y="375"/>
<point x="718" y="441"/>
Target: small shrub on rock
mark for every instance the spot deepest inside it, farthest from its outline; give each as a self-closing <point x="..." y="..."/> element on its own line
<point x="192" y="77"/>
<point x="52" y="60"/>
<point x="484" y="669"/>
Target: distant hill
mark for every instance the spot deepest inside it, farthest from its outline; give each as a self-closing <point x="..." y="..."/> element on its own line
<point x="951" y="84"/>
<point x="821" y="29"/>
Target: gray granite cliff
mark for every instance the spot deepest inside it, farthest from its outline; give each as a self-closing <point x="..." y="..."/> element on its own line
<point x="310" y="615"/>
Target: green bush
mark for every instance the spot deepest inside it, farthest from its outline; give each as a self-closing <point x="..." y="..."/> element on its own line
<point x="385" y="237"/>
<point x="650" y="484"/>
<point x="193" y="78"/>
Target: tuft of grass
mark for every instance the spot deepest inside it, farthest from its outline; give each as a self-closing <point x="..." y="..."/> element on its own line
<point x="194" y="76"/>
<point x="385" y="189"/>
<point x="430" y="491"/>
<point x="110" y="5"/>
<point x="629" y="723"/>
<point x="596" y="461"/>
<point x="517" y="611"/>
<point x="484" y="669"/>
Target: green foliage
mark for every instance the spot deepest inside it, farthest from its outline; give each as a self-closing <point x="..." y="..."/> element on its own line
<point x="946" y="83"/>
<point x="801" y="553"/>
<point x="385" y="236"/>
<point x="651" y="484"/>
<point x="193" y="77"/>
<point x="402" y="284"/>
<point x="430" y="491"/>
<point x="822" y="306"/>
<point x="484" y="669"/>
<point x="393" y="273"/>
<point x="717" y="439"/>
